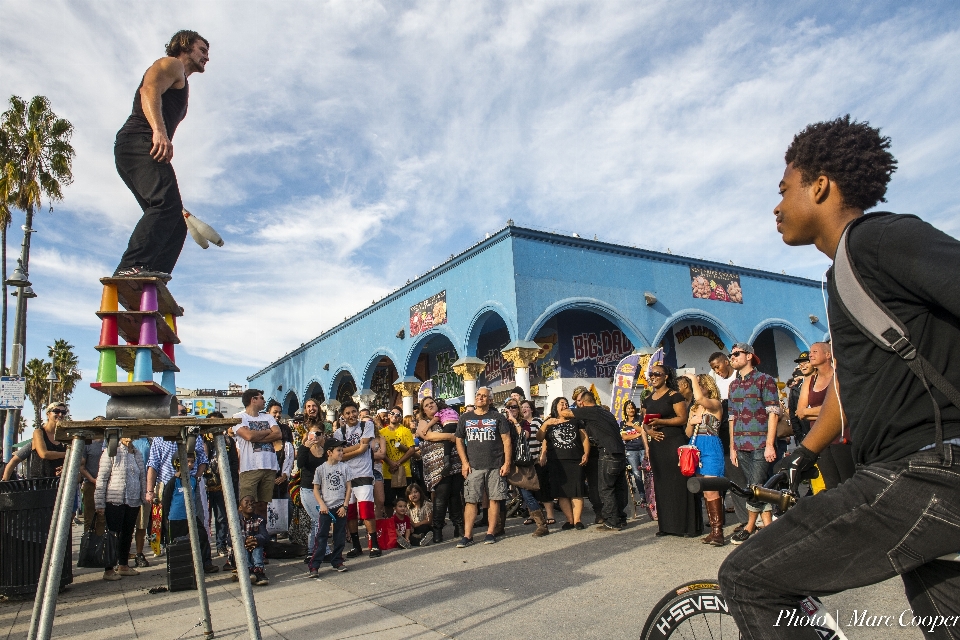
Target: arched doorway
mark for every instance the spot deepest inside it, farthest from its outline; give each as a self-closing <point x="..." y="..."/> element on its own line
<point x="777" y="349"/>
<point x="290" y="404"/>
<point x="344" y="386"/>
<point x="382" y="377"/>
<point x="689" y="339"/>
<point x="577" y="347"/>
<point x="315" y="392"/>
<point x="432" y="358"/>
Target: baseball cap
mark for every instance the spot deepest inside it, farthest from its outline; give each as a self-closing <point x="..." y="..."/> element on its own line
<point x="803" y="357"/>
<point x="333" y="443"/>
<point x="746" y="348"/>
<point x="381" y="411"/>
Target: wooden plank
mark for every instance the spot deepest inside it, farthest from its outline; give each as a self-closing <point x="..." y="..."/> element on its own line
<point x="169" y="428"/>
<point x="128" y="325"/>
<point x="129" y="290"/>
<point x="126" y="353"/>
<point x="129" y="388"/>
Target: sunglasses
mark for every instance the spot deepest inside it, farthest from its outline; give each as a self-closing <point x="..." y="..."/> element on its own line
<point x="656" y="374"/>
<point x="513" y="408"/>
<point x="59" y="412"/>
<point x="737" y="354"/>
<point x="394" y="413"/>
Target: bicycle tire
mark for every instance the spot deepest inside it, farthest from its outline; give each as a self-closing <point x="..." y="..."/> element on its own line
<point x="695" y="609"/>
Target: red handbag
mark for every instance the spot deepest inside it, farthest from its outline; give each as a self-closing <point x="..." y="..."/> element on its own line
<point x="689" y="458"/>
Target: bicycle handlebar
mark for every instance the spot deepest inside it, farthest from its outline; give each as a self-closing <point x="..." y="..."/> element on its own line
<point x="766" y="493"/>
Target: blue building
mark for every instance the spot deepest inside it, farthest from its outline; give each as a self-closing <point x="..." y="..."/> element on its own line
<point x="546" y="312"/>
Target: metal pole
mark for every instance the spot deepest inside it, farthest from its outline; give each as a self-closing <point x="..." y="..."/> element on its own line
<point x="236" y="538"/>
<point x="68" y="480"/>
<point x="19" y="333"/>
<point x="194" y="536"/>
<point x="45" y="567"/>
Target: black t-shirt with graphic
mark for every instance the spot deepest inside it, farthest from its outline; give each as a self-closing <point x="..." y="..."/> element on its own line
<point x="563" y="441"/>
<point x="481" y="438"/>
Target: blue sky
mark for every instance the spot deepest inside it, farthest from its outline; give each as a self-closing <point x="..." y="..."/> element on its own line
<point x="342" y="148"/>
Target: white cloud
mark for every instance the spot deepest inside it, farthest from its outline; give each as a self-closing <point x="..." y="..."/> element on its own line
<point x="323" y="129"/>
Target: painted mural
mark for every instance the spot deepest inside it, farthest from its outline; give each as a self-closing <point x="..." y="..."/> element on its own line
<point x="446" y="383"/>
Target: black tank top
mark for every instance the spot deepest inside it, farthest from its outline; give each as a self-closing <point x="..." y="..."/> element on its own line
<point x="173" y="105"/>
<point x="40" y="468"/>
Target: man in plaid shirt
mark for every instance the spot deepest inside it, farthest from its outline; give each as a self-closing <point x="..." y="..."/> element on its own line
<point x="754" y="413"/>
<point x="253" y="528"/>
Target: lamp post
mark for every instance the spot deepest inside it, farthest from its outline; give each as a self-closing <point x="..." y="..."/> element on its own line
<point x="23" y="293"/>
<point x="52" y="379"/>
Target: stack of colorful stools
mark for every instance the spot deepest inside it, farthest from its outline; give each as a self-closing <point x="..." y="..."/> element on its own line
<point x="142" y="313"/>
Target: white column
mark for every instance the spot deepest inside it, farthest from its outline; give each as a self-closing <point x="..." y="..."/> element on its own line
<point x="522" y="375"/>
<point x="469" y="390"/>
<point x="408" y="405"/>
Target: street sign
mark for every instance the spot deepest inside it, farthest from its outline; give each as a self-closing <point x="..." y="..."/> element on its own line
<point x="12" y="392"/>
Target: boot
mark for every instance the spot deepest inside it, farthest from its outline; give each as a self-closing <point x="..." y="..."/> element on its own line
<point x="541" y="521"/>
<point x="715" y="514"/>
<point x="501" y="522"/>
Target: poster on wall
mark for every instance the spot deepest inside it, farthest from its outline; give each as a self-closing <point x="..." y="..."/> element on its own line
<point x="428" y="313"/>
<point x="711" y="284"/>
<point x="446" y="382"/>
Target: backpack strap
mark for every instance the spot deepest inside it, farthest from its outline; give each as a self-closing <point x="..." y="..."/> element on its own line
<point x="878" y="323"/>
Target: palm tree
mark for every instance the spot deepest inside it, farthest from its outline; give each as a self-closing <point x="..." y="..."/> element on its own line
<point x="37" y="386"/>
<point x="67" y="367"/>
<point x="36" y="157"/>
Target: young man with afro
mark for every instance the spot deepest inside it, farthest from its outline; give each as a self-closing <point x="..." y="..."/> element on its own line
<point x="900" y="511"/>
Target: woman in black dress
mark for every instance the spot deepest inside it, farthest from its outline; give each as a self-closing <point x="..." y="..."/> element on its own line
<point x="678" y="510"/>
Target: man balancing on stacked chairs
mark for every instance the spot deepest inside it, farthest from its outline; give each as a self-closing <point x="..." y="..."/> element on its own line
<point x="143" y="152"/>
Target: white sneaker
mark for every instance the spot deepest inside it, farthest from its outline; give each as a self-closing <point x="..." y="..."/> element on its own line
<point x="403" y="542"/>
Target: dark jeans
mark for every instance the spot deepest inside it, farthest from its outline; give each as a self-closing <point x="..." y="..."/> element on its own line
<point x="221" y="527"/>
<point x="735" y="475"/>
<point x="122" y="520"/>
<point x="890" y="518"/>
<point x="178" y="529"/>
<point x="448" y="497"/>
<point x="320" y="540"/>
<point x="590" y="471"/>
<point x="612" y="487"/>
<point x="158" y="238"/>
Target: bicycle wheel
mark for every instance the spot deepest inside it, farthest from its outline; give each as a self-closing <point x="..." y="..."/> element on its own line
<point x="694" y="610"/>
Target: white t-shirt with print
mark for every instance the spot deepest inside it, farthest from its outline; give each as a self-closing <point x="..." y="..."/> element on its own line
<point x="256" y="455"/>
<point x="360" y="466"/>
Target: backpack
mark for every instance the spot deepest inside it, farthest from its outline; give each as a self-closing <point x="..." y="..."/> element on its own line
<point x="879" y="324"/>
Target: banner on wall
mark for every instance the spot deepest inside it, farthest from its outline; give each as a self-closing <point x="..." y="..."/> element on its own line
<point x="712" y="284"/>
<point x="623" y="381"/>
<point x="426" y="391"/>
<point x="428" y="313"/>
<point x="655" y="359"/>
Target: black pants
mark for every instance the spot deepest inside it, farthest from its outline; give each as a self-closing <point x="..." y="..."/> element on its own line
<point x="593" y="485"/>
<point x="179" y="529"/>
<point x="448" y="497"/>
<point x="612" y="487"/>
<point x="836" y="464"/>
<point x="122" y="520"/>
<point x="158" y="238"/>
<point x="892" y="518"/>
<point x="221" y="526"/>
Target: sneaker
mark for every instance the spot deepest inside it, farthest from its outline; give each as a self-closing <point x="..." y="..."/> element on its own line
<point x="314" y="573"/>
<point x="356" y="552"/>
<point x="489" y="539"/>
<point x="426" y="542"/>
<point x="376" y="553"/>
<point x="261" y="577"/>
<point x="253" y="576"/>
<point x="464" y="542"/>
<point x="341" y="568"/>
<point x="403" y="543"/>
<point x="111" y="576"/>
<point x="141" y="272"/>
<point x="579" y="526"/>
<point x="222" y="550"/>
<point x="211" y="568"/>
<point x="229" y="565"/>
<point x="124" y="570"/>
<point x="598" y="521"/>
<point x="740" y="536"/>
<point x="235" y="577"/>
<point x="141" y="561"/>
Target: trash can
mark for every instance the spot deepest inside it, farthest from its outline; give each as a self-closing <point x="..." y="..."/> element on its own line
<point x="26" y="509"/>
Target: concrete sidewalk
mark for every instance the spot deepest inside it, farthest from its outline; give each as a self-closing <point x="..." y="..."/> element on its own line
<point x="587" y="584"/>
